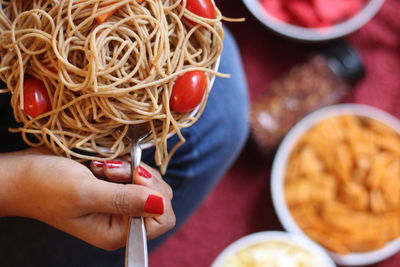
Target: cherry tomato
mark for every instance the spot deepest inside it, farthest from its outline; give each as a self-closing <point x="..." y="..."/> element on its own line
<point x="188" y="91"/>
<point x="36" y="99"/>
<point x="202" y="8"/>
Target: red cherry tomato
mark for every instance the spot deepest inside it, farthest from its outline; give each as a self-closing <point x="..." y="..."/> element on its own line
<point x="36" y="99"/>
<point x="202" y="8"/>
<point x="188" y="91"/>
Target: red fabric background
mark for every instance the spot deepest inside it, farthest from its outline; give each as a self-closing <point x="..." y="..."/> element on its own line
<point x="241" y="203"/>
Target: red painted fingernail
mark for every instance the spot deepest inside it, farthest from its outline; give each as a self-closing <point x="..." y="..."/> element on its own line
<point x="143" y="172"/>
<point x="98" y="163"/>
<point x="154" y="204"/>
<point x="113" y="164"/>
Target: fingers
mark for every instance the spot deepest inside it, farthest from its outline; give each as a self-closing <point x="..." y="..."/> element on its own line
<point x="120" y="171"/>
<point x="116" y="170"/>
<point x="124" y="199"/>
<point x="109" y="232"/>
<point x="150" y="196"/>
<point x="158" y="225"/>
<point x="102" y="230"/>
<point x="149" y="177"/>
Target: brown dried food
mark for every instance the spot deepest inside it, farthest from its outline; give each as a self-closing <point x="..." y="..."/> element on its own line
<point x="342" y="184"/>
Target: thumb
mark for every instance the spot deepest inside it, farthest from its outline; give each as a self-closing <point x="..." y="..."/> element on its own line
<point x="124" y="199"/>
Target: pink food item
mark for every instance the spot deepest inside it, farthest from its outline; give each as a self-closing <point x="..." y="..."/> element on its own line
<point x="303" y="13"/>
<point x="313" y="13"/>
<point x="277" y="9"/>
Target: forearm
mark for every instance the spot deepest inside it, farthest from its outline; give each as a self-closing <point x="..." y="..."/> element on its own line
<point x="11" y="169"/>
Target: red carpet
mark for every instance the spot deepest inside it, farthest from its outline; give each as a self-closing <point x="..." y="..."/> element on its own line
<point x="241" y="203"/>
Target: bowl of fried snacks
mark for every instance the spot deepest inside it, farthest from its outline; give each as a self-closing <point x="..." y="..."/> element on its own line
<point x="273" y="248"/>
<point x="336" y="180"/>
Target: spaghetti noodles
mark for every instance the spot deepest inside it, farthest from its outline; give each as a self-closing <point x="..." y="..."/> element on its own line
<point x="102" y="78"/>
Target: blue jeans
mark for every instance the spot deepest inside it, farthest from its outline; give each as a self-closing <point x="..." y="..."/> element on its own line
<point x="213" y="143"/>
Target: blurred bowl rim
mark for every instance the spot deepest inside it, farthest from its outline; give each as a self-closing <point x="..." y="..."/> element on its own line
<point x="260" y="237"/>
<point x="282" y="154"/>
<point x="314" y="34"/>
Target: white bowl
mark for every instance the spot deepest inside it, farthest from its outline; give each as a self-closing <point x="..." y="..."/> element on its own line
<point x="279" y="236"/>
<point x="278" y="174"/>
<point x="314" y="34"/>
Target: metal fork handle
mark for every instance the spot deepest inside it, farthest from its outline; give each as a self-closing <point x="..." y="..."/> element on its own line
<point x="136" y="155"/>
<point x="136" y="248"/>
<point x="136" y="245"/>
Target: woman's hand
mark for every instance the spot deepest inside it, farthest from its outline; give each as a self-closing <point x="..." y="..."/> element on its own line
<point x="67" y="195"/>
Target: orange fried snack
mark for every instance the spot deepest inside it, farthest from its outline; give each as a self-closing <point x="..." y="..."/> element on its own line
<point x="342" y="184"/>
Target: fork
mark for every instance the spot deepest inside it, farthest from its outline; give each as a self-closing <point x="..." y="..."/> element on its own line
<point x="136" y="246"/>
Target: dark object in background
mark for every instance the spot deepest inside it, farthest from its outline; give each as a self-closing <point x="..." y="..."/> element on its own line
<point x="323" y="79"/>
<point x="9" y="141"/>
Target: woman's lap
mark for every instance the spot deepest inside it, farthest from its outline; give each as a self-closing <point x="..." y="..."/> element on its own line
<point x="212" y="145"/>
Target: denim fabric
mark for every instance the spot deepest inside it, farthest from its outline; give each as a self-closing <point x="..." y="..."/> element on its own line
<point x="213" y="143"/>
